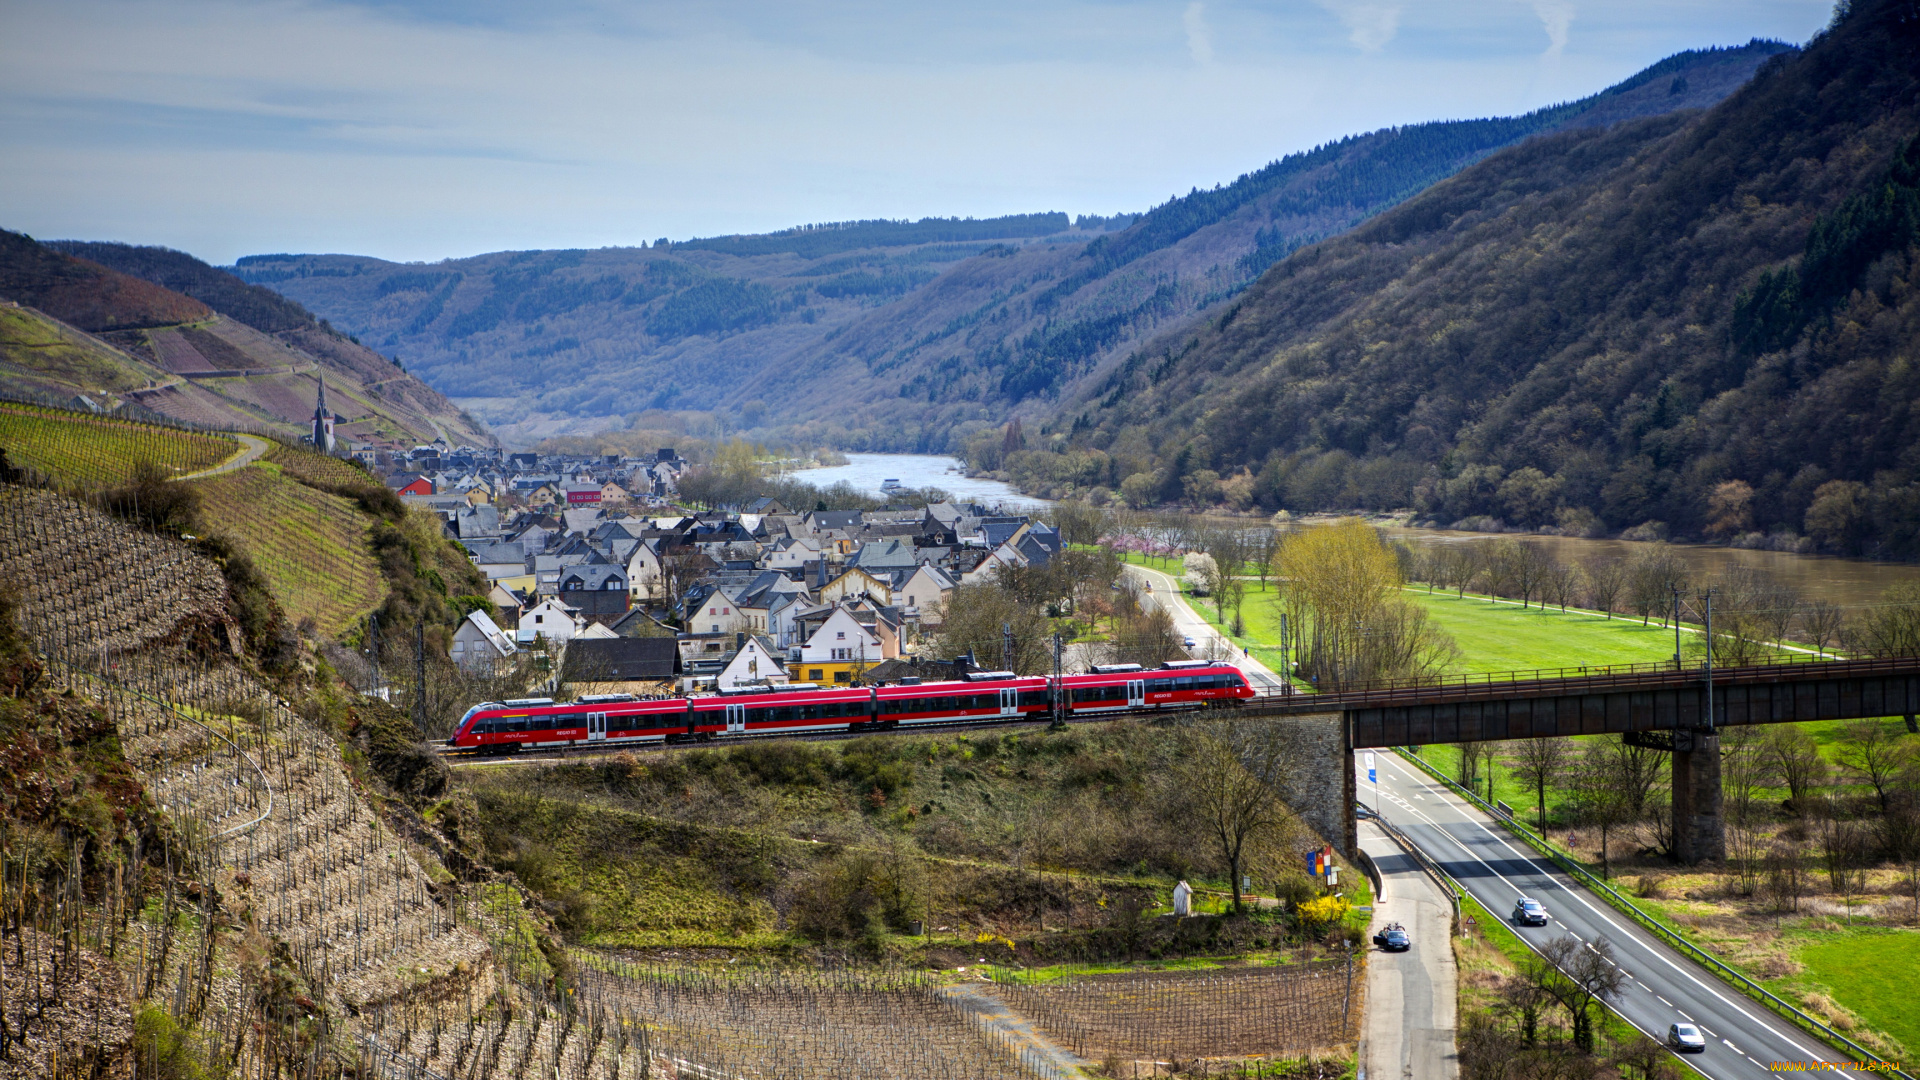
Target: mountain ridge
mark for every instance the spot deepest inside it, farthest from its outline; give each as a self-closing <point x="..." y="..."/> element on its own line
<point x="911" y="347"/>
<point x="97" y="324"/>
<point x="1549" y="338"/>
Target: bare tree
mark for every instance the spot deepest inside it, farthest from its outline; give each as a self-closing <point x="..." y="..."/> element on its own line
<point x="1599" y="802"/>
<point x="1474" y="757"/>
<point x="1635" y="773"/>
<point x="1497" y="566"/>
<point x="1891" y="627"/>
<point x="1746" y="850"/>
<point x="1654" y="574"/>
<point x="1871" y="750"/>
<point x="1577" y="976"/>
<point x="1224" y="778"/>
<point x="1823" y="622"/>
<point x="1843" y="851"/>
<point x="1743" y="770"/>
<point x="1794" y="759"/>
<point x="1528" y="569"/>
<point x="1539" y="762"/>
<point x="1606" y="581"/>
<point x="1561" y="583"/>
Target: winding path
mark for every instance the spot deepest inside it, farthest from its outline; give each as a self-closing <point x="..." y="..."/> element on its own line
<point x="252" y="448"/>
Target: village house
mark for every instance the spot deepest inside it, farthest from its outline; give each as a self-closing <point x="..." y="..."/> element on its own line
<point x="754" y="663"/>
<point x="550" y="620"/>
<point x="839" y="650"/>
<point x="480" y="647"/>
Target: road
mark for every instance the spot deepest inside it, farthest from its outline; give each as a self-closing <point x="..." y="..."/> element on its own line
<point x="251" y="448"/>
<point x="1410" y="995"/>
<point x="1662" y="988"/>
<point x="1209" y="642"/>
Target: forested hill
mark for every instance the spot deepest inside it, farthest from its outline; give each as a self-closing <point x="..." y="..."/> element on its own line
<point x="1699" y="323"/>
<point x="899" y="334"/>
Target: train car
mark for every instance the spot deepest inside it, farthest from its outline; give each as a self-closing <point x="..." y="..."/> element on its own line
<point x="1117" y="688"/>
<point x="983" y="697"/>
<point x="789" y="710"/>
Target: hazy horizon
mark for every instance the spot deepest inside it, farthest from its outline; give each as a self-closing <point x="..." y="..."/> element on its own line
<point x="417" y="130"/>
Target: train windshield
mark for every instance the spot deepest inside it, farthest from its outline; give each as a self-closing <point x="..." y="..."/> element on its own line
<point x="464" y="720"/>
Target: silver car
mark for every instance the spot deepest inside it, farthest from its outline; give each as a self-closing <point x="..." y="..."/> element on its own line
<point x="1528" y="912"/>
<point x="1686" y="1039"/>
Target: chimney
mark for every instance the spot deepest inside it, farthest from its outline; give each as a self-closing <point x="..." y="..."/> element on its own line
<point x="739" y="639"/>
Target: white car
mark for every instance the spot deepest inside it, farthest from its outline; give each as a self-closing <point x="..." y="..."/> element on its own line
<point x="1189" y="642"/>
<point x="1686" y="1038"/>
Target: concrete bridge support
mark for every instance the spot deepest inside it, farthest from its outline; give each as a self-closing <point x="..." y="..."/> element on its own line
<point x="1699" y="827"/>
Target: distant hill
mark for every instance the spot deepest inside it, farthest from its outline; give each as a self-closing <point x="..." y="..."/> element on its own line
<point x="898" y="334"/>
<point x="112" y="327"/>
<point x="86" y="294"/>
<point x="1702" y="321"/>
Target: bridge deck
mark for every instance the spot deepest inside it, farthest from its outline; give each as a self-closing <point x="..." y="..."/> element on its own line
<point x="1642" y="699"/>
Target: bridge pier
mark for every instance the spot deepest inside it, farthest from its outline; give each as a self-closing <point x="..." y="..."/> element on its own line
<point x="1699" y="828"/>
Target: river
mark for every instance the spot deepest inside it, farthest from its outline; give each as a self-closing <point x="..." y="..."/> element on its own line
<point x="867" y="471"/>
<point x="1850" y="583"/>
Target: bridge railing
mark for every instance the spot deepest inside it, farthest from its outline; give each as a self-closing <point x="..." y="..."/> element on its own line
<point x="1655" y="926"/>
<point x="1587" y="678"/>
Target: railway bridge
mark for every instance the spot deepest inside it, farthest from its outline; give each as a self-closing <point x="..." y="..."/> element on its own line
<point x="1677" y="710"/>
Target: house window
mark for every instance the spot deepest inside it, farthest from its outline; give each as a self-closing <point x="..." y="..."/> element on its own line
<point x="842" y="676"/>
<point x="816" y="674"/>
<point x="841" y="635"/>
<point x="716" y="628"/>
<point x="538" y="619"/>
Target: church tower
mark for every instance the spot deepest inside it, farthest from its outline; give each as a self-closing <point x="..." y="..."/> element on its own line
<point x="323" y="422"/>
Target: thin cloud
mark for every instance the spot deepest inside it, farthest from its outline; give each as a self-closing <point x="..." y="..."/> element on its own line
<point x="1556" y="16"/>
<point x="1369" y="26"/>
<point x="1199" y="37"/>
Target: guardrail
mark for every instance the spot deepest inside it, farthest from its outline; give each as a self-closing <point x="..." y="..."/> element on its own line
<point x="1660" y="930"/>
<point x="1448" y="887"/>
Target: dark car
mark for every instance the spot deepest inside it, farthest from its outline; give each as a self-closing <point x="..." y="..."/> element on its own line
<point x="1686" y="1039"/>
<point x="1393" y="938"/>
<point x="1528" y="912"/>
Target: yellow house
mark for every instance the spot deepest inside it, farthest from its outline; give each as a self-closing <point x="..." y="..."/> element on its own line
<point x="842" y="649"/>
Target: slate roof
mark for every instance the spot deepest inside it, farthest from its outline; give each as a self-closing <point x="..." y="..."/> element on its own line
<point x="622" y="659"/>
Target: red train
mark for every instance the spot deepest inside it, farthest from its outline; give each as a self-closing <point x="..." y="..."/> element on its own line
<point x="504" y="727"/>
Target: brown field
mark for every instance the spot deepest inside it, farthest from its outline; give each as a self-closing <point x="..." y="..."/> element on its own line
<point x="1282" y="1011"/>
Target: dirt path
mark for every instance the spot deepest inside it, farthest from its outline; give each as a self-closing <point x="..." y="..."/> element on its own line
<point x="1033" y="1047"/>
<point x="252" y="447"/>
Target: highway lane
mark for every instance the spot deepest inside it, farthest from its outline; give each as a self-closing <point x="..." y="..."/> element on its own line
<point x="1662" y="987"/>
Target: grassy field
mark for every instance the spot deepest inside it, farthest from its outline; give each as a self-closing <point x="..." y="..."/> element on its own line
<point x="1873" y="971"/>
<point x="90" y="451"/>
<point x="1491" y="636"/>
<point x="312" y="546"/>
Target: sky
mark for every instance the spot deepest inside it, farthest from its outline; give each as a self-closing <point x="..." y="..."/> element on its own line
<point x="417" y="130"/>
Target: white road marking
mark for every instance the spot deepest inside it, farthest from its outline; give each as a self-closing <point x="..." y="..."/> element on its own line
<point x="1664" y="1001"/>
<point x="1658" y="951"/>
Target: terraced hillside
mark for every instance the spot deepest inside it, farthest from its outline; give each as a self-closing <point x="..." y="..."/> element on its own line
<point x="48" y="357"/>
<point x="312" y="545"/>
<point x="77" y="450"/>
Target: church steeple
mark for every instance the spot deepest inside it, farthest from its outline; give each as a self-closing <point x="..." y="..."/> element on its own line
<point x="323" y="419"/>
